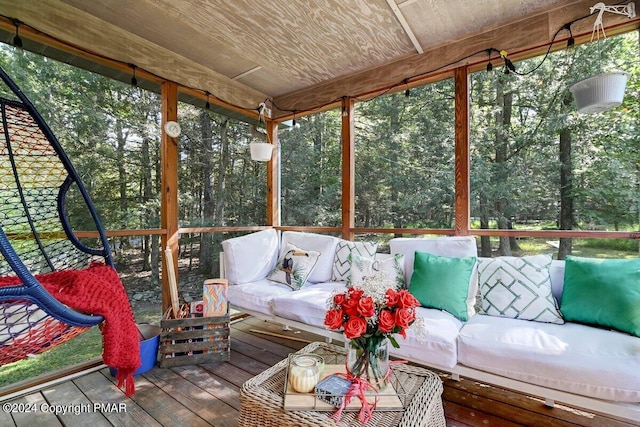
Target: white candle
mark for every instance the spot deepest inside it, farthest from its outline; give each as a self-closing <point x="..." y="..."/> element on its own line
<point x="304" y="373"/>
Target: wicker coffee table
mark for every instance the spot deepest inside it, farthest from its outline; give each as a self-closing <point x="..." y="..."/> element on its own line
<point x="262" y="398"/>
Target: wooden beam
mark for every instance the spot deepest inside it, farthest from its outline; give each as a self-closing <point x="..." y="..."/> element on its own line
<point x="273" y="177"/>
<point x="169" y="191"/>
<point x="405" y="25"/>
<point x="87" y="36"/>
<point x="348" y="168"/>
<point x="462" y="163"/>
<point x="522" y="39"/>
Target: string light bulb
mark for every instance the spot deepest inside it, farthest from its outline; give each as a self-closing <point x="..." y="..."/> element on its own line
<point x="206" y="104"/>
<point x="294" y="123"/>
<point x="489" y="64"/>
<point x="571" y="42"/>
<point x="134" y="81"/>
<point x="17" y="41"/>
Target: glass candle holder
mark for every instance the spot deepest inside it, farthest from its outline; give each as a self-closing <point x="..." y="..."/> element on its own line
<point x="304" y="373"/>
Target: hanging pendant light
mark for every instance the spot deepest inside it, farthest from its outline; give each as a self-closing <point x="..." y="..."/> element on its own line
<point x="604" y="91"/>
<point x="600" y="93"/>
<point x="260" y="151"/>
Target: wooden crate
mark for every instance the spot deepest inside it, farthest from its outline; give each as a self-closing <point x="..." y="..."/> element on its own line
<point x="194" y="340"/>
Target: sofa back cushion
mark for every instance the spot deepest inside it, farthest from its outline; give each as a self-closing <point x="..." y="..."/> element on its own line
<point x="325" y="245"/>
<point x="251" y="257"/>
<point x="556" y="271"/>
<point x="457" y="246"/>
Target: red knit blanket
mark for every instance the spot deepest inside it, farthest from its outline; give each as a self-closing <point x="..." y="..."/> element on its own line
<point x="98" y="290"/>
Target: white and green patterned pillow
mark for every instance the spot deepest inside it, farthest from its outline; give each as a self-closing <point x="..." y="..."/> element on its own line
<point x="342" y="262"/>
<point x="519" y="288"/>
<point x="391" y="265"/>
<point x="294" y="266"/>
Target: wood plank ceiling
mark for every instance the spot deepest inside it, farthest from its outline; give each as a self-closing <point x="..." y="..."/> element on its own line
<point x="246" y="51"/>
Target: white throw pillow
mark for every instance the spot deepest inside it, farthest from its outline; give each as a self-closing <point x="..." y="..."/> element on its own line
<point x="342" y="259"/>
<point x="250" y="257"/>
<point x="294" y="266"/>
<point x="391" y="265"/>
<point x="519" y="288"/>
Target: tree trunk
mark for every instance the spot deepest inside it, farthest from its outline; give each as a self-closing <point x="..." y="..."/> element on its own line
<point x="503" y="118"/>
<point x="318" y="122"/>
<point x="206" y="249"/>
<point x="147" y="188"/>
<point x="485" y="241"/>
<point x="513" y="242"/>
<point x="394" y="126"/>
<point x="122" y="175"/>
<point x="221" y="184"/>
<point x="155" y="261"/>
<point x="566" y="190"/>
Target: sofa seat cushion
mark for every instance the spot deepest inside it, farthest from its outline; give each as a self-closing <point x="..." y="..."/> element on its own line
<point x="439" y="348"/>
<point x="575" y="358"/>
<point x="308" y="304"/>
<point x="256" y="296"/>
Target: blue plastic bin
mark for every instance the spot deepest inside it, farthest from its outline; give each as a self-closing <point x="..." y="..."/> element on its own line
<point x="148" y="348"/>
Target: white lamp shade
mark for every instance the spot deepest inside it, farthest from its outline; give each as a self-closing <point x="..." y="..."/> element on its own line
<point x="261" y="151"/>
<point x="600" y="93"/>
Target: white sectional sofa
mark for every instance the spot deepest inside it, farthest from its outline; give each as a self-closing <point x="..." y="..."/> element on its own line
<point x="589" y="367"/>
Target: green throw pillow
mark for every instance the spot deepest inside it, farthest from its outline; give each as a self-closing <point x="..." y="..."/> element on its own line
<point x="603" y="292"/>
<point x="442" y="282"/>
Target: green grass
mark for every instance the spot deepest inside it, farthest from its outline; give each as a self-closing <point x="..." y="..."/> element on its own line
<point x="79" y="349"/>
<point x="590" y="248"/>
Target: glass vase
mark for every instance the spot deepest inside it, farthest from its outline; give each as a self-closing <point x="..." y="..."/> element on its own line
<point x="368" y="358"/>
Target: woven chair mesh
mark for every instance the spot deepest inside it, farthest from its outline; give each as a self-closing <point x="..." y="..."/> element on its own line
<point x="28" y="331"/>
<point x="31" y="177"/>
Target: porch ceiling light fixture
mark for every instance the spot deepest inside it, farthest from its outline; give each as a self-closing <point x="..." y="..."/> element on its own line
<point x="603" y="91"/>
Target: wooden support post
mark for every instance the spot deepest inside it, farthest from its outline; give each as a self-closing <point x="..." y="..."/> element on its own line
<point x="273" y="177"/>
<point x="169" y="193"/>
<point x="462" y="163"/>
<point x="348" y="169"/>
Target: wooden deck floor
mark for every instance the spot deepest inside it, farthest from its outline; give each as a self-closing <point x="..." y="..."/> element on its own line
<point x="209" y="394"/>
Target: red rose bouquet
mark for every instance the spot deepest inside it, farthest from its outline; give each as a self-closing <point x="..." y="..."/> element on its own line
<point x="369" y="313"/>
